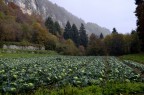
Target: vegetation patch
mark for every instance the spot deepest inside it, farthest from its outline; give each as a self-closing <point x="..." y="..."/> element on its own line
<point x="134" y="57"/>
<point x="19" y="75"/>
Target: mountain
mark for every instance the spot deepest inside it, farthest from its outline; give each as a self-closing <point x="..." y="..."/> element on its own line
<point x="46" y="8"/>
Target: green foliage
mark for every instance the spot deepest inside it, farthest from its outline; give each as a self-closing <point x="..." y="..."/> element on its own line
<point x="11" y="53"/>
<point x="67" y="31"/>
<point x="68" y="75"/>
<point x="135" y="57"/>
<point x="101" y="36"/>
<point x="27" y="32"/>
<point x="109" y="89"/>
<point x="75" y="35"/>
<point x="83" y="36"/>
<point x="71" y="32"/>
<point x="96" y="46"/>
<point x="51" y="42"/>
<point x="115" y="44"/>
<point x="27" y="74"/>
<point x="50" y="25"/>
<point x="70" y="48"/>
<point x="114" y="31"/>
<point x="1" y="15"/>
<point x="140" y="21"/>
<point x="57" y="28"/>
<point x="1" y="45"/>
<point x="135" y="43"/>
<point x="40" y="34"/>
<point x="119" y="44"/>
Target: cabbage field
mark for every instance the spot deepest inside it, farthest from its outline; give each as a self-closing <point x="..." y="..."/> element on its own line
<point x="24" y="74"/>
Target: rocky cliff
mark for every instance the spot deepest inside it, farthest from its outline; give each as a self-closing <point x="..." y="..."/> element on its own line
<point x="46" y="8"/>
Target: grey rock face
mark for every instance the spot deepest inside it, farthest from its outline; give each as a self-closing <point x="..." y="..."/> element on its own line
<point x="45" y="8"/>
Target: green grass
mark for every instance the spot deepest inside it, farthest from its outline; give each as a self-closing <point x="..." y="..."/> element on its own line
<point x="25" y="53"/>
<point x="134" y="57"/>
<point x="109" y="89"/>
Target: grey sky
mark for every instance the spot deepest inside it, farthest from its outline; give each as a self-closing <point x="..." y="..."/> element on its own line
<point x="106" y="13"/>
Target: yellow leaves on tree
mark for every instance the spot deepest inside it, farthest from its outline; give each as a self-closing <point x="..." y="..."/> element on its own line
<point x="40" y="34"/>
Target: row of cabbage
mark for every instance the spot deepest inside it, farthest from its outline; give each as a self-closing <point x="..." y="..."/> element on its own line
<point x="121" y="71"/>
<point x="24" y="74"/>
<point x="135" y="65"/>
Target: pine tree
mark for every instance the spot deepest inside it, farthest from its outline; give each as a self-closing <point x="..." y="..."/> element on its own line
<point x="50" y="25"/>
<point x="101" y="36"/>
<point x="83" y="36"/>
<point x="140" y="21"/>
<point x="67" y="31"/>
<point x="57" y="28"/>
<point x="133" y="32"/>
<point x="75" y="35"/>
<point x="114" y="31"/>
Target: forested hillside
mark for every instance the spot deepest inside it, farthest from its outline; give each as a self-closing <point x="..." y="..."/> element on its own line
<point x="16" y="26"/>
<point x="45" y="8"/>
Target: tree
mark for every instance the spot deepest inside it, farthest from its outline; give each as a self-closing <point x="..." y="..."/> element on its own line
<point x="75" y="35"/>
<point x="39" y="34"/>
<point x="127" y="42"/>
<point x="27" y="32"/>
<point x="57" y="28"/>
<point x="114" y="31"/>
<point x="140" y="21"/>
<point x="101" y="36"/>
<point x="96" y="46"/>
<point x="83" y="36"/>
<point x="51" y="42"/>
<point x="133" y="32"/>
<point x="50" y="25"/>
<point x="135" y="43"/>
<point x="10" y="30"/>
<point x="70" y="48"/>
<point x="67" y="31"/>
<point x="115" y="44"/>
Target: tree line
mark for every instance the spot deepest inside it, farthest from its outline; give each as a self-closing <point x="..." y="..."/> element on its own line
<point x="113" y="44"/>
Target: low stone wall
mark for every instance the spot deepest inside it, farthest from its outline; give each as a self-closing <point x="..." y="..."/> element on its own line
<point x="22" y="47"/>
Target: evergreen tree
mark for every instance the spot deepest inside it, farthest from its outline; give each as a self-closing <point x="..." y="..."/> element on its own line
<point x="133" y="32"/>
<point x="50" y="25"/>
<point x="140" y="21"/>
<point x="75" y="35"/>
<point x="114" y="31"/>
<point x="57" y="28"/>
<point x="83" y="36"/>
<point x="67" y="31"/>
<point x="101" y="36"/>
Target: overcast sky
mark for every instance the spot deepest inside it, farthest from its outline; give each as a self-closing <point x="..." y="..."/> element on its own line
<point x="106" y="13"/>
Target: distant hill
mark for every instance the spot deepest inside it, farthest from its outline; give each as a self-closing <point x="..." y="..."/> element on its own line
<point x="46" y="8"/>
